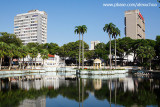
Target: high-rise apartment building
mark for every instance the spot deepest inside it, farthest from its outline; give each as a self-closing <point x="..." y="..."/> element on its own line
<point x="93" y="44"/>
<point x="134" y="24"/>
<point x="31" y="26"/>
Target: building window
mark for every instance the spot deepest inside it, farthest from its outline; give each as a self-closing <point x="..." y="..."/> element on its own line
<point x="34" y="15"/>
<point x="34" y="39"/>
<point x="139" y="35"/>
<point x="139" y="25"/>
<point x="33" y="24"/>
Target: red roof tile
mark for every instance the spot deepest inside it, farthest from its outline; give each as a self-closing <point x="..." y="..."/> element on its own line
<point x="49" y="55"/>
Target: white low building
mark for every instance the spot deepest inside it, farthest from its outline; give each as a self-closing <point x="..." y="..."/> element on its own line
<point x="126" y="58"/>
<point x="52" y="61"/>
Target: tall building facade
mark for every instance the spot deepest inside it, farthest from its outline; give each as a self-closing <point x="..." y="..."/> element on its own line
<point x="31" y="26"/>
<point x="134" y="24"/>
<point x="93" y="44"/>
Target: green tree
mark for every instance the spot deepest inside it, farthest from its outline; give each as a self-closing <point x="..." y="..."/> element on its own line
<point x="78" y="31"/>
<point x="101" y="51"/>
<point x="116" y="32"/>
<point x="124" y="47"/>
<point x="33" y="54"/>
<point x="36" y="45"/>
<point x="10" y="39"/>
<point x="71" y="49"/>
<point x="11" y="51"/>
<point x="89" y="54"/>
<point x="3" y="47"/>
<point x="23" y="52"/>
<point x="44" y="55"/>
<point x="53" y="48"/>
<point x="109" y="28"/>
<point x="136" y="44"/>
<point x="62" y="52"/>
<point x="146" y="52"/>
<point x="157" y="47"/>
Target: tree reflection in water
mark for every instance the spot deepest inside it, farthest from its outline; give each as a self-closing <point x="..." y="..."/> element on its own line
<point x="126" y="92"/>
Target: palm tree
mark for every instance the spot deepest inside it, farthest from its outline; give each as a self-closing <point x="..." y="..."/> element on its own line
<point x="109" y="28"/>
<point x="116" y="32"/>
<point x="77" y="31"/>
<point x="11" y="51"/>
<point x="19" y="55"/>
<point x="33" y="54"/>
<point x="83" y="30"/>
<point x="2" y="51"/>
<point x="24" y="52"/>
<point x="44" y="54"/>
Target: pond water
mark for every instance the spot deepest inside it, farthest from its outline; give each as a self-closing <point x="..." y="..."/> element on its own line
<point x="59" y="91"/>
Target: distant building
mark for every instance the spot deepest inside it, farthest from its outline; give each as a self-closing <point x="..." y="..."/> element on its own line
<point x="93" y="44"/>
<point x="134" y="24"/>
<point x="31" y="26"/>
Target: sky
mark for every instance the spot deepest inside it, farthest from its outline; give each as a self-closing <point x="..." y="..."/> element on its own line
<point x="64" y="15"/>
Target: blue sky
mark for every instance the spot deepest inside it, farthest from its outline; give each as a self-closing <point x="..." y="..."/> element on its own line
<point x="64" y="15"/>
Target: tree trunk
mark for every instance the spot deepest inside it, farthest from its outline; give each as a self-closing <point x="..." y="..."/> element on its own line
<point x="23" y="63"/>
<point x="115" y="55"/>
<point x="127" y="60"/>
<point x="79" y="52"/>
<point x="35" y="63"/>
<point x="134" y="57"/>
<point x="32" y="63"/>
<point x="10" y="63"/>
<point x="110" y="55"/>
<point x="19" y="66"/>
<point x="150" y="65"/>
<point x="82" y="53"/>
<point x="43" y="62"/>
<point x="1" y="64"/>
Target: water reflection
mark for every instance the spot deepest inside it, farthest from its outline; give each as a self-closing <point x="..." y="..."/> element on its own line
<point x="32" y="91"/>
<point x="38" y="102"/>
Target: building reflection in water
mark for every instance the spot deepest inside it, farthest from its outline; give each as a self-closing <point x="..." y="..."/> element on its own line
<point x="127" y="84"/>
<point x="45" y="81"/>
<point x="39" y="102"/>
<point x="97" y="83"/>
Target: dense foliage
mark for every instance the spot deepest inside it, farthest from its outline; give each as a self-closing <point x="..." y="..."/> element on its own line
<point x="142" y="49"/>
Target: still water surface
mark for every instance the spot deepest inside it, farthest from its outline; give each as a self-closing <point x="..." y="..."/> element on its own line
<point x="59" y="91"/>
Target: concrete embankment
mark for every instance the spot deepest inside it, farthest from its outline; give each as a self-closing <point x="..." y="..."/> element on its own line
<point x="104" y="72"/>
<point x="21" y="72"/>
<point x="65" y="71"/>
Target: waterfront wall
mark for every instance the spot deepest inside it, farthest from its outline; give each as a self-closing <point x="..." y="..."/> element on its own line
<point x="65" y="70"/>
<point x="105" y="72"/>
